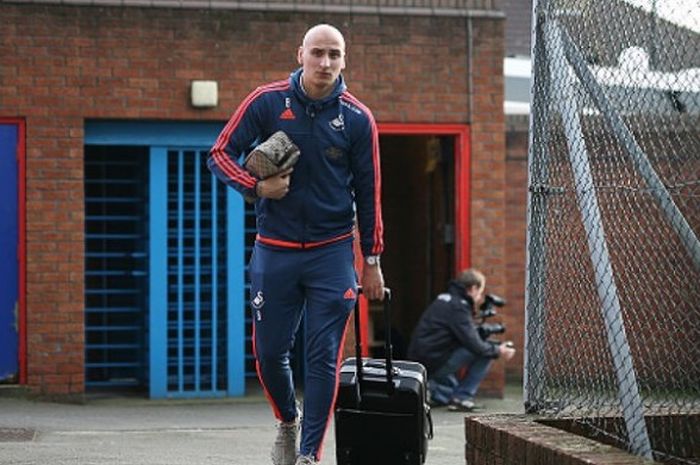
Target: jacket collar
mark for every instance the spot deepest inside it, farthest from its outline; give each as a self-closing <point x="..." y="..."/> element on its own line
<point x="458" y="289"/>
<point x="295" y="82"/>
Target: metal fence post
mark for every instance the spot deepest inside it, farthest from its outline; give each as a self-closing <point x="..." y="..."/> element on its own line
<point x="628" y="390"/>
<point x="535" y="298"/>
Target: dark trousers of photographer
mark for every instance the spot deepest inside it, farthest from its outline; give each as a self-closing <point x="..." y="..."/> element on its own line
<point x="444" y="384"/>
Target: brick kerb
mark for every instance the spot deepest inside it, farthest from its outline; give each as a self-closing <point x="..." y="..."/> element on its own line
<point x="522" y="439"/>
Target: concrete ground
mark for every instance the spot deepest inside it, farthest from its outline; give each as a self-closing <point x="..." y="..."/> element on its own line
<point x="110" y="430"/>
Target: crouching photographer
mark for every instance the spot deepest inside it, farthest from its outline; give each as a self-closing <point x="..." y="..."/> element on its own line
<point x="447" y="340"/>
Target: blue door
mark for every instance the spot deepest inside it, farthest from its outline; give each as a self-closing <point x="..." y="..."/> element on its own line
<point x="9" y="266"/>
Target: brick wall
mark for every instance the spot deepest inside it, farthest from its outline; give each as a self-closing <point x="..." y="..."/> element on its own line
<point x="65" y="64"/>
<point x="488" y="175"/>
<point x="515" y="238"/>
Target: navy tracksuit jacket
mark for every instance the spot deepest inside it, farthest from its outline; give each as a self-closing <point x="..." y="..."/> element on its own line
<point x="303" y="257"/>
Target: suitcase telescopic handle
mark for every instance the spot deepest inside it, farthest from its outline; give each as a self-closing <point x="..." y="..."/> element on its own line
<point x="387" y="345"/>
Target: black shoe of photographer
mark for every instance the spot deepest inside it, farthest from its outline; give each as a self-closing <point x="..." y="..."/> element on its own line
<point x="462" y="405"/>
<point x="436" y="403"/>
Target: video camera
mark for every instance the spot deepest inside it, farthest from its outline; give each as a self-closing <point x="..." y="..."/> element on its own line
<point x="487" y="310"/>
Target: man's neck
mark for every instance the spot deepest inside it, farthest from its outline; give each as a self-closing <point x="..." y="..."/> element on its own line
<point x="313" y="94"/>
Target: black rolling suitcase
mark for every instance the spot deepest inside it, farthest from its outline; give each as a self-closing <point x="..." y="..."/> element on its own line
<point x="382" y="416"/>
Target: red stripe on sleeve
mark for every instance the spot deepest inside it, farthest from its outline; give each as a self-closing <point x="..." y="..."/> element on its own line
<point x="378" y="223"/>
<point x="222" y="160"/>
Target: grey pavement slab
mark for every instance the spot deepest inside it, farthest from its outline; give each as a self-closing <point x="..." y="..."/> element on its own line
<point x="137" y="431"/>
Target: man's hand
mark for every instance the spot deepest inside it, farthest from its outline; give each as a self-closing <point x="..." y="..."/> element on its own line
<point x="372" y="282"/>
<point x="506" y="350"/>
<point x="275" y="187"/>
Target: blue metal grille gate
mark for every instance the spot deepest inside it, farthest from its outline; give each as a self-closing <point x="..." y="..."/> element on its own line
<point x="115" y="266"/>
<point x="164" y="306"/>
<point x="199" y="345"/>
<point x="196" y="277"/>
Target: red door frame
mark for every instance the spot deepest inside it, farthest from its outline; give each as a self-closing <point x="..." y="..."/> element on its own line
<point x="462" y="177"/>
<point x="462" y="192"/>
<point x="21" y="247"/>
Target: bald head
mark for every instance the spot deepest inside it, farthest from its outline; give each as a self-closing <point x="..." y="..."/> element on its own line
<point x="322" y="57"/>
<point x="325" y="31"/>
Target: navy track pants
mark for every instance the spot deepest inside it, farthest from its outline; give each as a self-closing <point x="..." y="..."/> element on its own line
<point x="320" y="284"/>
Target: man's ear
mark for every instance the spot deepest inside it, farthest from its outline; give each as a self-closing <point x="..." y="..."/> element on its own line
<point x="300" y="53"/>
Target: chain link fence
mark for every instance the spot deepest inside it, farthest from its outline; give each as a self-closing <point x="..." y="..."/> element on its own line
<point x="613" y="298"/>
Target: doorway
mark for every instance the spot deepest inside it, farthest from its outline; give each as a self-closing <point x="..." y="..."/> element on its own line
<point x="424" y="204"/>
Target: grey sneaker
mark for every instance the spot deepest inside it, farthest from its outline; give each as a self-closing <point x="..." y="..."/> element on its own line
<point x="461" y="405"/>
<point x="284" y="450"/>
<point x="305" y="460"/>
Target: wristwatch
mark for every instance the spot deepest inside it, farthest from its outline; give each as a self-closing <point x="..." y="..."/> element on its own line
<point x="372" y="260"/>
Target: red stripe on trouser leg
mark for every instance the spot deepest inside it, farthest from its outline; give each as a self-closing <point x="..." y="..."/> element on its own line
<point x="270" y="400"/>
<point x="337" y="382"/>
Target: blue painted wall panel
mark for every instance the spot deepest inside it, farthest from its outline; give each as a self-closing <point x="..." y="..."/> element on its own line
<point x="158" y="263"/>
<point x="236" y="297"/>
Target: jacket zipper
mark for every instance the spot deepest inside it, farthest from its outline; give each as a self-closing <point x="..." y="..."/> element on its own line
<point x="311" y="113"/>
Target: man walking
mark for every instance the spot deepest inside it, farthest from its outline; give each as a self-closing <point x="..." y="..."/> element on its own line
<point x="302" y="261"/>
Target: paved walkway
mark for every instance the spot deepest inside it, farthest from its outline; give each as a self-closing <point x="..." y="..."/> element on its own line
<point x="129" y="431"/>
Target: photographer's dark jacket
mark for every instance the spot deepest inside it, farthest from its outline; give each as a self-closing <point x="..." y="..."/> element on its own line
<point x="446" y="325"/>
